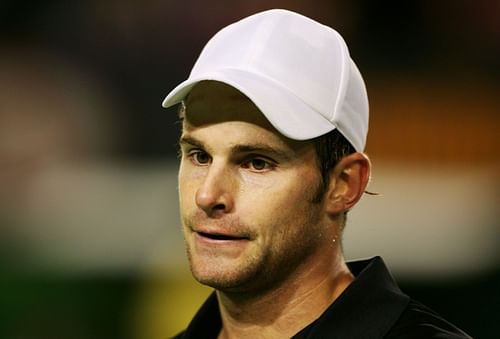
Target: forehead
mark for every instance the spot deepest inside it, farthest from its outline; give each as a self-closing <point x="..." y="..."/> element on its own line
<point x="212" y="103"/>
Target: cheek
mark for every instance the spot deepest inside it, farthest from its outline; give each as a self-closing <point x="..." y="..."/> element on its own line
<point x="258" y="182"/>
<point x="279" y="185"/>
<point x="188" y="181"/>
<point x="280" y="206"/>
<point x="189" y="173"/>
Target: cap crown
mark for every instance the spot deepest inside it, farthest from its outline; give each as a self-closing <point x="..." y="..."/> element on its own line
<point x="300" y="56"/>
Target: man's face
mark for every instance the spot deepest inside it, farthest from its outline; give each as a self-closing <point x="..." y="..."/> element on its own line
<point x="246" y="194"/>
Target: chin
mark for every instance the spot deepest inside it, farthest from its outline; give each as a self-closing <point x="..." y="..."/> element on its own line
<point x="219" y="280"/>
<point x="228" y="279"/>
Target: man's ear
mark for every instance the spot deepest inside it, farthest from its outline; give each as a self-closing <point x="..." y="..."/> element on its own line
<point x="348" y="182"/>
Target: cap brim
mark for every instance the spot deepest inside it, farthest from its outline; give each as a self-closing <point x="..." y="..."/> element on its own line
<point x="286" y="112"/>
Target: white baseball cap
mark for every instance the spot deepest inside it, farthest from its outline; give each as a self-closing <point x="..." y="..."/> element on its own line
<point x="297" y="71"/>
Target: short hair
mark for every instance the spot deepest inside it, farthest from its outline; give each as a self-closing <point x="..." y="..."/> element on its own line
<point x="330" y="149"/>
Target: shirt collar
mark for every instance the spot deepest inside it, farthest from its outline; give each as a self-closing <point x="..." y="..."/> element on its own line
<point x="368" y="308"/>
<point x="207" y="321"/>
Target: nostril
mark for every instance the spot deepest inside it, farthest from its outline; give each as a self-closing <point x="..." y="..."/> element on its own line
<point x="219" y="207"/>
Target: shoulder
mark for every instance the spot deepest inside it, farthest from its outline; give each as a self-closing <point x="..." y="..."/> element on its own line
<point x="419" y="321"/>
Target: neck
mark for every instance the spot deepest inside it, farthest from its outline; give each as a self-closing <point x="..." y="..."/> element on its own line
<point x="285" y="310"/>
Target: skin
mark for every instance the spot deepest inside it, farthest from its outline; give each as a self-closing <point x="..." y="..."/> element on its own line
<point x="252" y="230"/>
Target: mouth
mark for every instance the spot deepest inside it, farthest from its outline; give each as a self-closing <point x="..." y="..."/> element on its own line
<point x="221" y="237"/>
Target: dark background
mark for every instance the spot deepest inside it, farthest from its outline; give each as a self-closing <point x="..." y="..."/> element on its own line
<point x="136" y="51"/>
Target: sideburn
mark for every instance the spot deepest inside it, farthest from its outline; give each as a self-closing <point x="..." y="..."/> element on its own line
<point x="319" y="192"/>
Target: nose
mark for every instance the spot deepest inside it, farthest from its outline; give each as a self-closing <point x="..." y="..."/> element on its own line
<point x="215" y="196"/>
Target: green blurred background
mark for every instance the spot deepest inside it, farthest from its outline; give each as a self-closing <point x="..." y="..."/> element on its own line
<point x="90" y="245"/>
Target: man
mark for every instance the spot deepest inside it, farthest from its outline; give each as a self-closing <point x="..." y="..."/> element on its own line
<point x="275" y="117"/>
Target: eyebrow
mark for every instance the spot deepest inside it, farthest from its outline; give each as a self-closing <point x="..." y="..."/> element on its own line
<point x="191" y="141"/>
<point x="242" y="148"/>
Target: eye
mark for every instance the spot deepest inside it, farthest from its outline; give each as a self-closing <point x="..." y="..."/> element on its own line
<point x="199" y="157"/>
<point x="259" y="165"/>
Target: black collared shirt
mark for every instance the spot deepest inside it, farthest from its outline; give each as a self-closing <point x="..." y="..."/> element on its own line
<point x="371" y="307"/>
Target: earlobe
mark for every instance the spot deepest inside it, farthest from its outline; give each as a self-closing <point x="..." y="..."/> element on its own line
<point x="348" y="182"/>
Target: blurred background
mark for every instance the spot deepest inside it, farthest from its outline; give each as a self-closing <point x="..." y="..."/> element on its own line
<point x="90" y="243"/>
